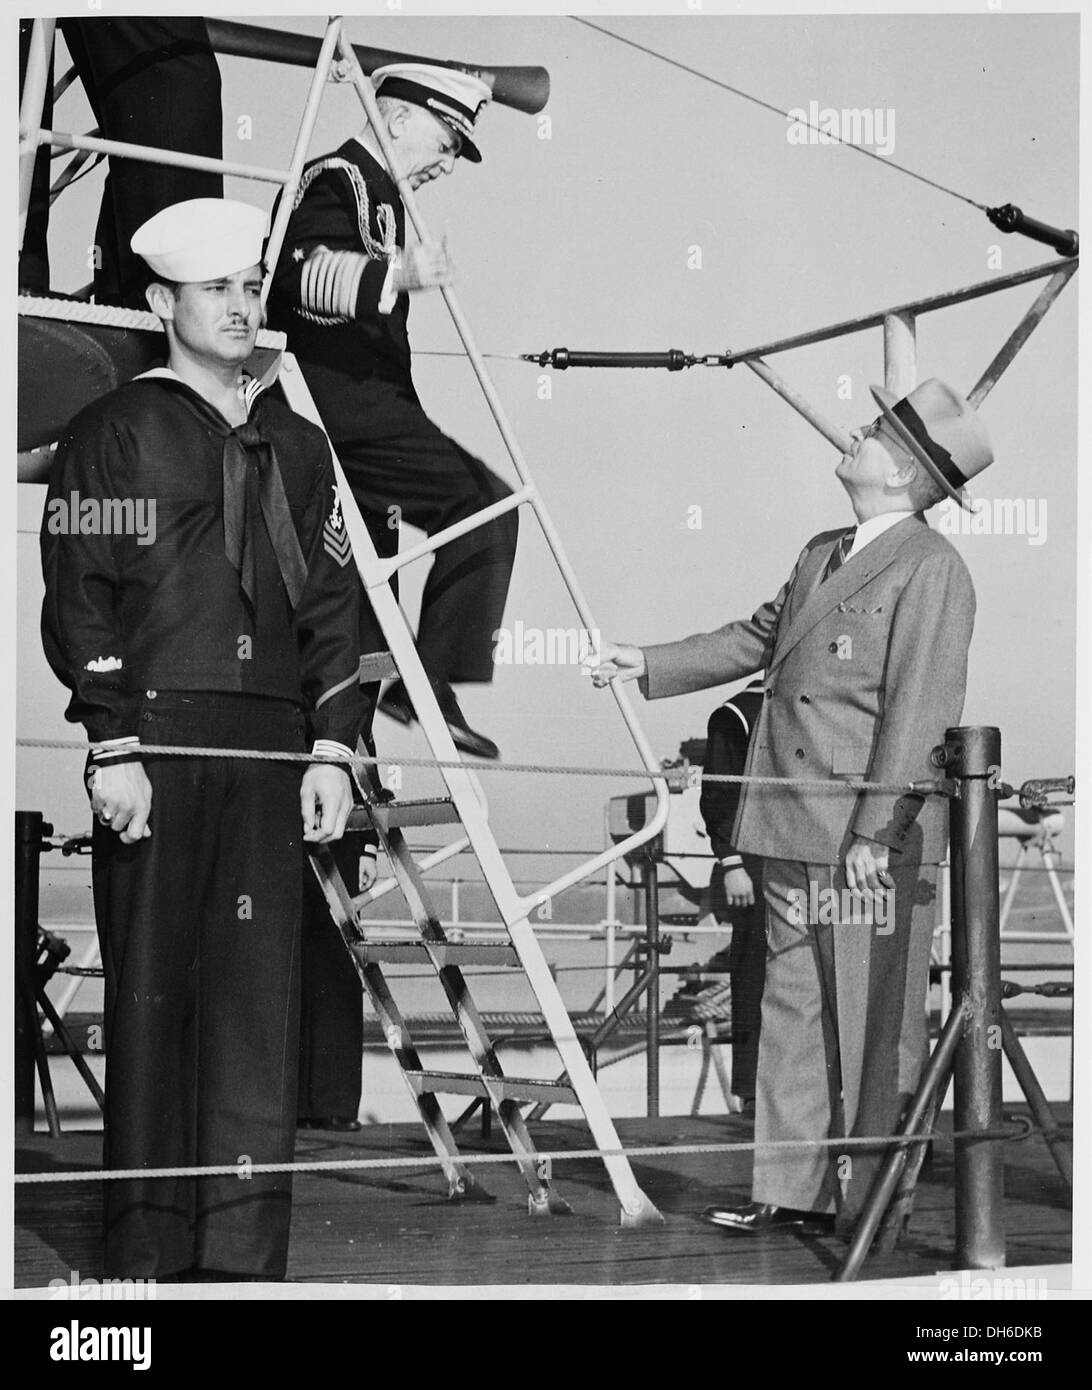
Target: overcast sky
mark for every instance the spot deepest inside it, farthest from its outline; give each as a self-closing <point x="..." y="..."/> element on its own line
<point x="664" y="212"/>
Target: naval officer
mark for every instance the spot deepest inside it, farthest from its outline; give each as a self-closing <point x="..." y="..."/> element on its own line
<point x="341" y="293"/>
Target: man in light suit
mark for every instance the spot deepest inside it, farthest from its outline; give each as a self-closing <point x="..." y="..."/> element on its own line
<point x="865" y="653"/>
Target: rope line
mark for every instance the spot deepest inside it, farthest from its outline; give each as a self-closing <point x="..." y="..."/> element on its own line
<point x="111" y="316"/>
<point x="559" y="769"/>
<point x="451" y="352"/>
<point x="79" y="311"/>
<point x="769" y="106"/>
<point x="333" y="1165"/>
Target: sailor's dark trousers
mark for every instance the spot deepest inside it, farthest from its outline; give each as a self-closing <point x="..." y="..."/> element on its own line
<point x="200" y="929"/>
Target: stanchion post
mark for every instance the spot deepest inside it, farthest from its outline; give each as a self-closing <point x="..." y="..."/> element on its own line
<point x="29" y="828"/>
<point x="973" y="759"/>
<point x="36" y="81"/>
<point x="900" y="368"/>
<point x="650" y="878"/>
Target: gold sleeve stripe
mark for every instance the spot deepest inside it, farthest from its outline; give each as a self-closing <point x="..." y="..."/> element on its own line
<point x="330" y="283"/>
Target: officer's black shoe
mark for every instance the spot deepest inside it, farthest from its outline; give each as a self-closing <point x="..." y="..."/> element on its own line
<point x="346" y="1124"/>
<point x="760" y="1218"/>
<point x="397" y="704"/>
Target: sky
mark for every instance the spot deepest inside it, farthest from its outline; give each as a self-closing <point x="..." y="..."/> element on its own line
<point x="663" y="212"/>
<point x="655" y="210"/>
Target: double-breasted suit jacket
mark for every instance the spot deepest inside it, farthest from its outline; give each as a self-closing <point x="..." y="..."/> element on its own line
<point x="864" y="672"/>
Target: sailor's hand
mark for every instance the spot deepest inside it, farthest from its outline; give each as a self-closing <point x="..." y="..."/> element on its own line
<point x="326" y="798"/>
<point x="738" y="888"/>
<point x="866" y="866"/>
<point x="425" y="265"/>
<point x="121" y="798"/>
<point x="609" y="659"/>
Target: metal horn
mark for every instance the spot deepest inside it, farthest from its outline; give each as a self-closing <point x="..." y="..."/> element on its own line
<point x="523" y="88"/>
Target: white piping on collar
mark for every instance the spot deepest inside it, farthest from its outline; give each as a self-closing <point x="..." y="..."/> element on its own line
<point x="252" y="387"/>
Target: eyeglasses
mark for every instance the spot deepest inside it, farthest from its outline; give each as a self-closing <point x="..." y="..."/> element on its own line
<point x="880" y="426"/>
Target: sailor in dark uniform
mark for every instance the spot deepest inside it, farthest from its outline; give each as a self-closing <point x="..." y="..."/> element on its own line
<point x="341" y="293"/>
<point x="736" y="883"/>
<point x="229" y="621"/>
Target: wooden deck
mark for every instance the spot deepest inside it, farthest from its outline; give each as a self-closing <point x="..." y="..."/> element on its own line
<point x="396" y="1226"/>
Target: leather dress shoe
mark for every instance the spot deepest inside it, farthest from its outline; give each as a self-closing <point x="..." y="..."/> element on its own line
<point x="397" y="704"/>
<point x="344" y="1124"/>
<point x="758" y="1218"/>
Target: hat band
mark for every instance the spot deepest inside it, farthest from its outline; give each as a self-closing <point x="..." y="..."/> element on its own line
<point x="940" y="458"/>
<point x="419" y="95"/>
<point x="453" y="117"/>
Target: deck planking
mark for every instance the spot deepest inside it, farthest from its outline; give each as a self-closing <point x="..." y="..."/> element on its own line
<point x="397" y="1227"/>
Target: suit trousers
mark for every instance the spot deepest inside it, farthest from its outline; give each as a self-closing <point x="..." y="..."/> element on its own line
<point x="199" y="929"/>
<point x="843" y="1028"/>
<point x="150" y="81"/>
<point x="403" y="468"/>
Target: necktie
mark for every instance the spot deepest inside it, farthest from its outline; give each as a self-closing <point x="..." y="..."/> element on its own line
<point x="840" y="554"/>
<point x="253" y="489"/>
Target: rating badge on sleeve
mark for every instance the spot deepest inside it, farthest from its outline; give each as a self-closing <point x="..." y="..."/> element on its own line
<point x="335" y="538"/>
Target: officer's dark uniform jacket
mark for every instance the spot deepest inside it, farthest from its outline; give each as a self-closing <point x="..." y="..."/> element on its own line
<point x="122" y="616"/>
<point x="348" y="330"/>
<point x="347" y="225"/>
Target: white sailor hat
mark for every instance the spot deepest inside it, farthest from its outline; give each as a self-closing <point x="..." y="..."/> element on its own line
<point x="202" y="239"/>
<point x="454" y="97"/>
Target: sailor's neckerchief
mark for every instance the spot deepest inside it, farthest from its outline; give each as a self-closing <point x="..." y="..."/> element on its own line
<point x="252" y="485"/>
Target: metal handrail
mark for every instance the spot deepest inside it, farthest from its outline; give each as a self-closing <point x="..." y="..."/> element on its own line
<point x="914" y="307"/>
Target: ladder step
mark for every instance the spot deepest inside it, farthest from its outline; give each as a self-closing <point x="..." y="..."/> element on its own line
<point x="508" y="1087"/>
<point x="428" y="811"/>
<point x="377" y="666"/>
<point x="443" y="952"/>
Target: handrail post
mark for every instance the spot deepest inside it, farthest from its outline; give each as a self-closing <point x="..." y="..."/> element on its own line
<point x="973" y="758"/>
<point x="299" y="153"/>
<point x="900" y="369"/>
<point x="31" y="106"/>
<point x="650" y="880"/>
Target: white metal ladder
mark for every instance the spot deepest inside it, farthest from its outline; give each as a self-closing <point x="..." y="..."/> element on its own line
<point x="466" y="805"/>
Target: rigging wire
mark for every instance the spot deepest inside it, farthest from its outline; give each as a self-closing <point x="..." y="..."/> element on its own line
<point x="769" y="106"/>
<point x="58" y="188"/>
